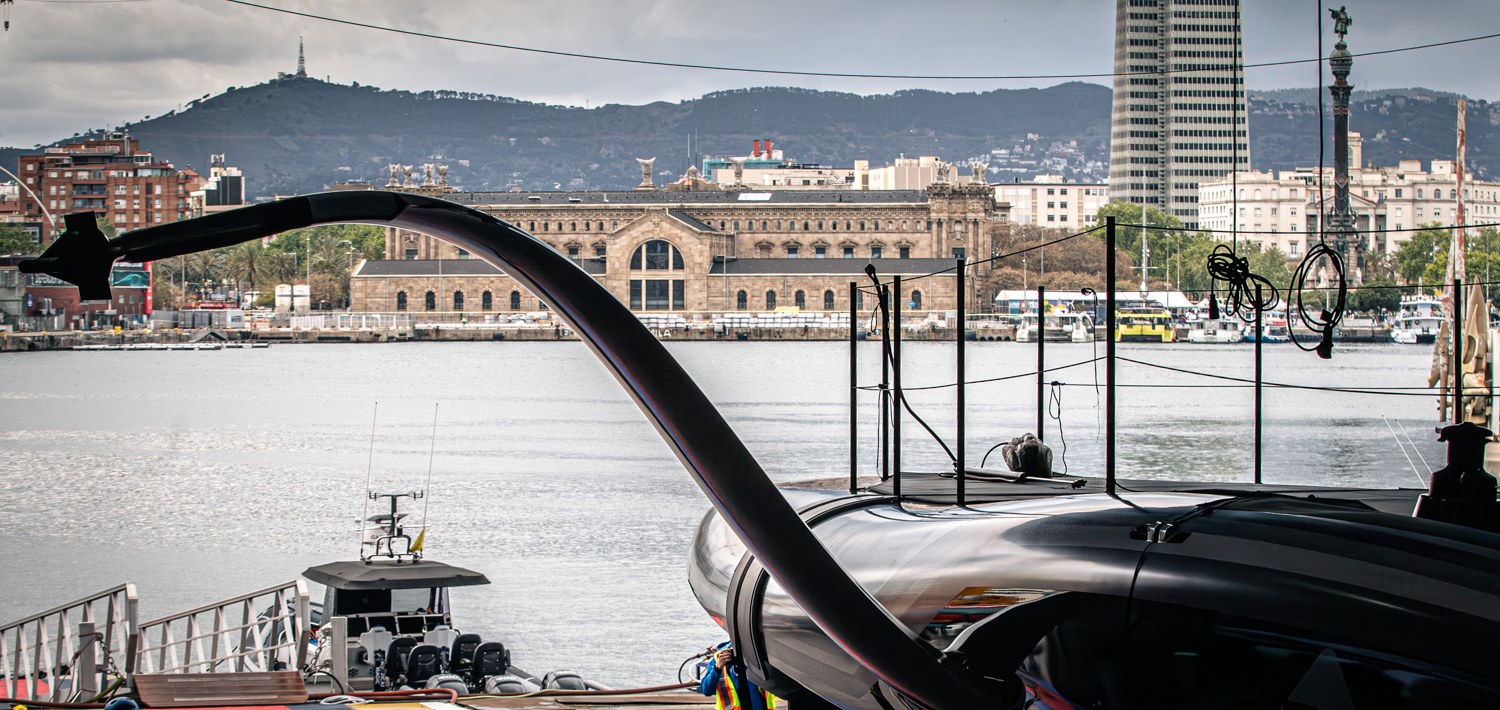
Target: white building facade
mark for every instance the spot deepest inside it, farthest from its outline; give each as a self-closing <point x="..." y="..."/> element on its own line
<point x="1052" y="202"/>
<point x="1282" y="210"/>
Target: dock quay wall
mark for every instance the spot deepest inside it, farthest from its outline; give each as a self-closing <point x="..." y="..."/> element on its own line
<point x="205" y="338"/>
<point x="231" y="338"/>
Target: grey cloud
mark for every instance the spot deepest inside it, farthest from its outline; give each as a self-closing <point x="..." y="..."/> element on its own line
<point x="95" y="65"/>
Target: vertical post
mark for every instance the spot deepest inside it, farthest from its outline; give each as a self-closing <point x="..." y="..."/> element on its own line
<point x="338" y="645"/>
<point x="1041" y="360"/>
<point x="897" y="403"/>
<point x="958" y="339"/>
<point x="1259" y="337"/>
<point x="881" y="292"/>
<point x="853" y="387"/>
<point x="1458" y="350"/>
<point x="1109" y="355"/>
<point x="86" y="672"/>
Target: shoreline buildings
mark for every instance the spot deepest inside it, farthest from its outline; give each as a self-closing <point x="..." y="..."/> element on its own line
<point x="112" y="176"/>
<point x="1282" y="209"/>
<point x="694" y="246"/>
<point x="1178" y="116"/>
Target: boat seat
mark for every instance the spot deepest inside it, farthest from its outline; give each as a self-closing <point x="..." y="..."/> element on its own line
<point x="441" y="636"/>
<point x="376" y="639"/>
<point x="395" y="658"/>
<point x="463" y="653"/>
<point x="491" y="658"/>
<point x="424" y="662"/>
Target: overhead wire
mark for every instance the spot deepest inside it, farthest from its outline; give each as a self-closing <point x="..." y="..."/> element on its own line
<point x="789" y="72"/>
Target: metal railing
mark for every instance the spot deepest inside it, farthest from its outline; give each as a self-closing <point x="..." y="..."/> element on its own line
<point x="69" y="651"/>
<point x="264" y="630"/>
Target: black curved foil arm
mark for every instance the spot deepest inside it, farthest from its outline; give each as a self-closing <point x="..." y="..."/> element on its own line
<point x="710" y="450"/>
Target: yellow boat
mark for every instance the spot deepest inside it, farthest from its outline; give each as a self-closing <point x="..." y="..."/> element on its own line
<point x="1145" y="323"/>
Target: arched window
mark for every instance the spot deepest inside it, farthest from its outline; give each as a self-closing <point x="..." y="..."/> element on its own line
<point x="546" y="226"/>
<point x="800" y="299"/>
<point x="827" y="300"/>
<point x="805" y="226"/>
<point x="1419" y="193"/>
<point x="532" y="228"/>
<point x="458" y="300"/>
<point x="1273" y="194"/>
<point x="515" y="300"/>
<point x="1453" y="194"/>
<point x="763" y="224"/>
<point x="742" y="300"/>
<point x="616" y="224"/>
<point x="430" y="301"/>
<point x="916" y="299"/>
<point x="834" y="225"/>
<point x="400" y="300"/>
<point x="1257" y="193"/>
<point x="573" y="227"/>
<point x="849" y="225"/>
<point x="770" y="300"/>
<point x="736" y="225"/>
<point x="656" y="255"/>
<point x="820" y="224"/>
<point x="486" y="301"/>
<point x="1242" y="193"/>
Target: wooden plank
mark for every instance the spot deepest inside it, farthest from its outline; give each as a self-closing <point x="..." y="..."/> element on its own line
<point x="229" y="689"/>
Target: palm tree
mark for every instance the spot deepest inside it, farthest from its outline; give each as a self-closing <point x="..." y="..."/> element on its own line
<point x="249" y="262"/>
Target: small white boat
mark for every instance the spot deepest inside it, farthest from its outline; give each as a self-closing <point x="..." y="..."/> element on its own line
<point x="1419" y="321"/>
<point x="1058" y="327"/>
<point x="1216" y="330"/>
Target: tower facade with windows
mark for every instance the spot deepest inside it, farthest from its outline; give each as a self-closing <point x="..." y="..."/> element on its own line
<point x="1179" y="115"/>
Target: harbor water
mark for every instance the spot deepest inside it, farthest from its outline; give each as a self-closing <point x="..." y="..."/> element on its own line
<point x="201" y="475"/>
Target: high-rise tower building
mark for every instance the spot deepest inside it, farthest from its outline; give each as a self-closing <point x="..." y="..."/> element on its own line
<point x="1179" y="102"/>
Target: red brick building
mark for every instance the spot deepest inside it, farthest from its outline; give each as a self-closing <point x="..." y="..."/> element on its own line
<point x="113" y="177"/>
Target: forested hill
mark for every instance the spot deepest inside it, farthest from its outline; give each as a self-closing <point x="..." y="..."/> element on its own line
<point x="300" y="135"/>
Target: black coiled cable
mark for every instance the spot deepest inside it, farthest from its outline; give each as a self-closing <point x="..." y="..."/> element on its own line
<point x="1241" y="295"/>
<point x="1327" y="320"/>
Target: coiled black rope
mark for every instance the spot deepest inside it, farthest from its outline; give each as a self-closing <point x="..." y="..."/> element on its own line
<point x="1327" y="319"/>
<point x="1242" y="296"/>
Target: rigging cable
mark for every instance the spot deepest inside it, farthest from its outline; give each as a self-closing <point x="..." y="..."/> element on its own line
<point x="1055" y="397"/>
<point x="889" y="357"/>
<point x="1326" y="320"/>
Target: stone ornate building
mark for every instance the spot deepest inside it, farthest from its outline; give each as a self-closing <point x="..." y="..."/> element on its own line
<point x="703" y="250"/>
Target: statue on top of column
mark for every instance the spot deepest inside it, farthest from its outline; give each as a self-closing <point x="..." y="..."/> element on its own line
<point x="1341" y="20"/>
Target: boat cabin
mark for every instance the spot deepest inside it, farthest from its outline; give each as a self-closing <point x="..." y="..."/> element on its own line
<point x="404" y="596"/>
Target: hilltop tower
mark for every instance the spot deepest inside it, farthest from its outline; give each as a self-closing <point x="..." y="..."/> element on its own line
<point x="301" y="61"/>
<point x="1179" y="102"/>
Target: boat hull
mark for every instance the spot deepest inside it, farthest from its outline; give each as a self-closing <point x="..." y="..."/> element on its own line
<point x="1277" y="567"/>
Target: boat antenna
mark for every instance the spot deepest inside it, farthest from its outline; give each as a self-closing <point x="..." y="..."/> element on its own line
<point x="432" y="452"/>
<point x="369" y="472"/>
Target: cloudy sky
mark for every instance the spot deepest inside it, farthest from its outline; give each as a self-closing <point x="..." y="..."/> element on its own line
<point x="71" y="65"/>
